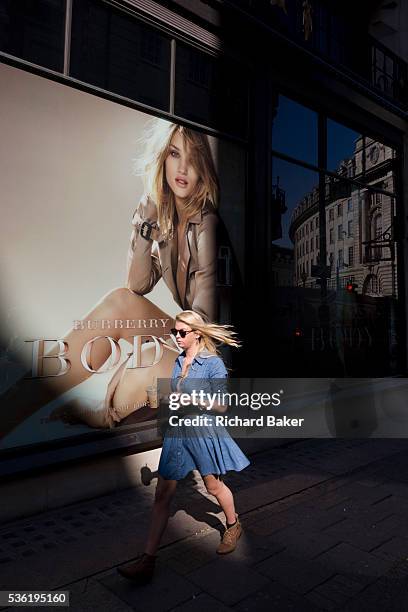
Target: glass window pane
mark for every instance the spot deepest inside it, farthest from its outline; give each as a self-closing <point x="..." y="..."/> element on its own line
<point x="343" y="330"/>
<point x="294" y="131"/>
<point x="116" y="52"/>
<point x="212" y="91"/>
<point x="34" y="31"/>
<point x="341" y="147"/>
<point x="352" y="155"/>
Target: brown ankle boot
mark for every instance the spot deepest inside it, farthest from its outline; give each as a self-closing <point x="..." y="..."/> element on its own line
<point x="140" y="571"/>
<point x="230" y="538"/>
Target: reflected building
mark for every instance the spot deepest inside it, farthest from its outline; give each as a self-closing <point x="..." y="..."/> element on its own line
<point x="359" y="242"/>
<point x="282" y="266"/>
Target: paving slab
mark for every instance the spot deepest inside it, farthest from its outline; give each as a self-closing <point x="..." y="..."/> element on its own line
<point x="166" y="591"/>
<point x="228" y="580"/>
<point x="324" y="529"/>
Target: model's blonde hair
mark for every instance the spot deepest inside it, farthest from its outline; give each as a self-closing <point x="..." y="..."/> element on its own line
<point x="151" y="166"/>
<point x="211" y="334"/>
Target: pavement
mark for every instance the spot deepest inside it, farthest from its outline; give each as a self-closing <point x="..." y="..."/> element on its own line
<point x="324" y="529"/>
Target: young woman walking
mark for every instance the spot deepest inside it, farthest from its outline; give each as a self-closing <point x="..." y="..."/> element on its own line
<point x="206" y="448"/>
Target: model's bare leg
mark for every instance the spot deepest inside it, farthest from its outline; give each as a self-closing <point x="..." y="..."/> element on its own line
<point x="165" y="490"/>
<point x="223" y="494"/>
<point x="130" y="393"/>
<point x="131" y="390"/>
<point x="119" y="304"/>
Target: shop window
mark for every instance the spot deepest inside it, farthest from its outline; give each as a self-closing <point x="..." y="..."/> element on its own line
<point x="118" y="53"/>
<point x="212" y="91"/>
<point x="294" y="130"/>
<point x="34" y="31"/>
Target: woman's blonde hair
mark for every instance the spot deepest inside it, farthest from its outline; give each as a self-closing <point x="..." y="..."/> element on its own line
<point x="151" y="166"/>
<point x="211" y="334"/>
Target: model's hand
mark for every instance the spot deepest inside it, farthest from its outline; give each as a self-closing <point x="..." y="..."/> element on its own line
<point x="146" y="211"/>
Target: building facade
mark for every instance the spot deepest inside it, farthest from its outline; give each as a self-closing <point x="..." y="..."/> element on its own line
<point x="359" y="226"/>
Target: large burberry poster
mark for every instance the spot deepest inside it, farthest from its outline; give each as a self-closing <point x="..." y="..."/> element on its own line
<point x="113" y="221"/>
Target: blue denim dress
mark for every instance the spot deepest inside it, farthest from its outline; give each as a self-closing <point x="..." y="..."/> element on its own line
<point x="206" y="448"/>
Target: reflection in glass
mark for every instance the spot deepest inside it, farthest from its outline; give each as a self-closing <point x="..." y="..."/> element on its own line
<point x="352" y="155"/>
<point x="34" y="31"/>
<point x="295" y="182"/>
<point x="211" y="91"/>
<point x="113" y="50"/>
<point x="341" y="143"/>
<point x="339" y="317"/>
<point x="294" y="131"/>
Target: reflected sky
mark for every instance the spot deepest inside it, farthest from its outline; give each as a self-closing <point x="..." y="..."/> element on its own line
<point x="295" y="133"/>
<point x="296" y="181"/>
<point x="340" y="143"/>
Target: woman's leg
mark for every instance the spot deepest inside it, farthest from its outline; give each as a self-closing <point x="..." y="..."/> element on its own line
<point x="120" y="304"/>
<point x="165" y="490"/>
<point x="215" y="486"/>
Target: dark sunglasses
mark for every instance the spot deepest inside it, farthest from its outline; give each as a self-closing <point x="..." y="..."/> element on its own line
<point x="183" y="333"/>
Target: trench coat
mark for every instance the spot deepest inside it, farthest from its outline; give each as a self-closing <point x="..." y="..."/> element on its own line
<point x="149" y="261"/>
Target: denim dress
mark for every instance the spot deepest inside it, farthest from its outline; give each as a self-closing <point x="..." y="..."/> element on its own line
<point x="207" y="448"/>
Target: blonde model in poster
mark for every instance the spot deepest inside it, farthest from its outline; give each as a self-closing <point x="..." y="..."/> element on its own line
<point x="174" y="238"/>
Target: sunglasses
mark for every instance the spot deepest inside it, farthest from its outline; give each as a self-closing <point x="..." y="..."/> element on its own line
<point x="183" y="333"/>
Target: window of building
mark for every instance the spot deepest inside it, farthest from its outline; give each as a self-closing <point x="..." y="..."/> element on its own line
<point x="377" y="227"/>
<point x="317" y="242"/>
<point x="331" y="236"/>
<point x="341" y="260"/>
<point x="113" y="50"/>
<point x="371" y="284"/>
<point x="311" y="245"/>
<point x="350" y="228"/>
<point x="34" y="31"/>
<point x="376" y="234"/>
<point x="349" y="205"/>
<point x="317" y="222"/>
<point x="340" y="232"/>
<point x="299" y="120"/>
<point x="331" y="214"/>
<point x="350" y="256"/>
<point x="339" y="209"/>
<point x="307" y="246"/>
<point x="211" y="90"/>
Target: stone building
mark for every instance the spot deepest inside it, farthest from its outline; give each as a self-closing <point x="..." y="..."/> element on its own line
<point x="359" y="245"/>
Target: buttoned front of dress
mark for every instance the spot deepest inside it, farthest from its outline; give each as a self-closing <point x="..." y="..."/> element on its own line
<point x="206" y="448"/>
